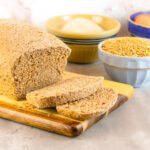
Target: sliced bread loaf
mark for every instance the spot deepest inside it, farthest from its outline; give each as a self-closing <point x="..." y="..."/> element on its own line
<point x="65" y="91"/>
<point x="96" y="104"/>
<point x="29" y="58"/>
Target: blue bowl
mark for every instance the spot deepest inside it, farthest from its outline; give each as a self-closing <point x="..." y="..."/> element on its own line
<point x="136" y="29"/>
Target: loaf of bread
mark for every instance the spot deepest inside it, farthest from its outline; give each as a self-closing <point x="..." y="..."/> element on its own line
<point x="65" y="91"/>
<point x="96" y="104"/>
<point x="29" y="58"/>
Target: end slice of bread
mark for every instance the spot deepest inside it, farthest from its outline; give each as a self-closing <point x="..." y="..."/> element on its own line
<point x="65" y="91"/>
<point x="96" y="104"/>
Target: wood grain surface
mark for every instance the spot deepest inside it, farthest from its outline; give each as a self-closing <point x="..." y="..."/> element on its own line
<point x="50" y="120"/>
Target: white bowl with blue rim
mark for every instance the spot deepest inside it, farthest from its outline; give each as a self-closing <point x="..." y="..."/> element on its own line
<point x="130" y="70"/>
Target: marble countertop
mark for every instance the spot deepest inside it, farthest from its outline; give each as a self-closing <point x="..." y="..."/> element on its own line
<point x="127" y="128"/>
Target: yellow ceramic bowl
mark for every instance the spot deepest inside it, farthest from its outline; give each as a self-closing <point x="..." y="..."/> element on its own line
<point x="83" y="53"/>
<point x="84" y="46"/>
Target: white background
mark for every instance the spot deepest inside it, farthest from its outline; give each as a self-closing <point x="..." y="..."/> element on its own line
<point x="38" y="11"/>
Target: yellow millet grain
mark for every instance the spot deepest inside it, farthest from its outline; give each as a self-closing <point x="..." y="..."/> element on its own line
<point x="128" y="46"/>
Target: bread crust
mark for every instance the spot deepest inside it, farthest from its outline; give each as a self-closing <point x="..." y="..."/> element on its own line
<point x="23" y="49"/>
<point x="96" y="104"/>
<point x="65" y="91"/>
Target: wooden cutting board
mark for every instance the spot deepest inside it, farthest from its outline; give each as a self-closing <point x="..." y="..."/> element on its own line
<point x="50" y="120"/>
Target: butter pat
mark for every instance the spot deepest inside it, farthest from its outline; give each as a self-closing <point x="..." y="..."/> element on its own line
<point x="82" y="26"/>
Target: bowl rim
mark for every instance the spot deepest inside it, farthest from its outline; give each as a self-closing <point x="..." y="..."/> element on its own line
<point x="122" y="57"/>
<point x="72" y="35"/>
<point x="133" y="22"/>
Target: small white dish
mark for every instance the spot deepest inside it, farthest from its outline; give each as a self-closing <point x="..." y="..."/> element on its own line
<point x="130" y="70"/>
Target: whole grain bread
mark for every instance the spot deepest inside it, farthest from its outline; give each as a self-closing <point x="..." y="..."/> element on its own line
<point x="29" y="58"/>
<point x="65" y="91"/>
<point x="96" y="104"/>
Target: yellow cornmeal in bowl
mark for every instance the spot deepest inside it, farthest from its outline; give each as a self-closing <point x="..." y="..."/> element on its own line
<point x="128" y="46"/>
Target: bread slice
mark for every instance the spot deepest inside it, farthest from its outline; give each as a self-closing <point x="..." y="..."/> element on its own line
<point x="29" y="58"/>
<point x="65" y="91"/>
<point x="96" y="104"/>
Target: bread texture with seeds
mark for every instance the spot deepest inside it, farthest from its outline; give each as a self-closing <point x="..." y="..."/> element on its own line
<point x="65" y="91"/>
<point x="29" y="58"/>
<point x="96" y="104"/>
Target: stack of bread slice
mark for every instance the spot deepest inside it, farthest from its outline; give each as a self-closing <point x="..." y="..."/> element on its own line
<point x="78" y="97"/>
<point x="32" y="63"/>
